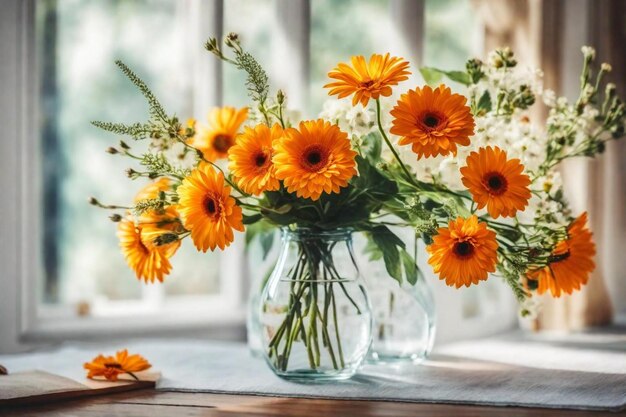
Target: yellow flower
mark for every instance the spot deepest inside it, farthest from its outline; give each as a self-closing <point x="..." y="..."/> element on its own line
<point x="110" y="367"/>
<point x="208" y="210"/>
<point x="367" y="81"/>
<point x="251" y="159"/>
<point x="571" y="263"/>
<point x="149" y="262"/>
<point x="155" y="223"/>
<point x="464" y="252"/>
<point x="216" y="139"/>
<point x="496" y="182"/>
<point x="433" y="122"/>
<point x="314" y="159"/>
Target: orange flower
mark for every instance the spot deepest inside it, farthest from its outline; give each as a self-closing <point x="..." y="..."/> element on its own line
<point x="571" y="261"/>
<point x="215" y="139"/>
<point x="367" y="81"/>
<point x="110" y="367"/>
<point x="251" y="159"/>
<point x="433" y="122"/>
<point x="188" y="129"/>
<point x="496" y="182"/>
<point x="149" y="262"/>
<point x="154" y="223"/>
<point x="208" y="210"/>
<point x="315" y="159"/>
<point x="464" y="252"/>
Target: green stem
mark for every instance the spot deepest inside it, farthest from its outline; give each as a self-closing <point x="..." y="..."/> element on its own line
<point x="388" y="142"/>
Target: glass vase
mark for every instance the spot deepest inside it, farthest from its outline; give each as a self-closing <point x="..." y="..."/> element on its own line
<point x="404" y="319"/>
<point x="314" y="312"/>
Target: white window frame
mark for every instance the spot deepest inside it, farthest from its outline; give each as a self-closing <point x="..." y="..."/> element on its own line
<point x="22" y="320"/>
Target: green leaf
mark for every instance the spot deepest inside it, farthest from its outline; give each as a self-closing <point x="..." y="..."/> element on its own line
<point x="484" y="103"/>
<point x="373" y="181"/>
<point x="252" y="219"/>
<point x="433" y="76"/>
<point x="389" y="244"/>
<point x="372" y="147"/>
<point x="460" y="77"/>
<point x="410" y="267"/>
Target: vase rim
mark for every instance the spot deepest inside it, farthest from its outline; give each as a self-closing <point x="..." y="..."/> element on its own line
<point x="341" y="233"/>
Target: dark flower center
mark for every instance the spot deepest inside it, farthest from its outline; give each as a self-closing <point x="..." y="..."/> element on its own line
<point x="314" y="158"/>
<point x="260" y="159"/>
<point x="367" y="84"/>
<point x="113" y="365"/>
<point x="431" y="120"/>
<point x="463" y="249"/>
<point x="495" y="183"/>
<point x="211" y="206"/>
<point x="221" y="143"/>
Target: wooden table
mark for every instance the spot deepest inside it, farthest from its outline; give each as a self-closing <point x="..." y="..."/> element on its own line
<point x="176" y="404"/>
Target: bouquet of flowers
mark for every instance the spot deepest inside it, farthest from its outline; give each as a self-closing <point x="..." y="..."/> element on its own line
<point x="469" y="174"/>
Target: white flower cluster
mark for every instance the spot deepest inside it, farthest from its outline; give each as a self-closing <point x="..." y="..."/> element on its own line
<point x="354" y="120"/>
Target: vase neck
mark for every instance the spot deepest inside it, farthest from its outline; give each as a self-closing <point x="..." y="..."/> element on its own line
<point x="304" y="234"/>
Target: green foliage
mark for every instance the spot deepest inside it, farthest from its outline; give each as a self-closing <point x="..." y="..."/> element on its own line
<point x="159" y="164"/>
<point x="433" y="76"/>
<point x="156" y="109"/>
<point x="383" y="243"/>
<point x="372" y="147"/>
<point x="137" y="130"/>
<point x="484" y="104"/>
<point x="154" y="204"/>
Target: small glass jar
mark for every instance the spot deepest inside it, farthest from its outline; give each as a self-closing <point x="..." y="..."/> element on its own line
<point x="315" y="316"/>
<point x="404" y="319"/>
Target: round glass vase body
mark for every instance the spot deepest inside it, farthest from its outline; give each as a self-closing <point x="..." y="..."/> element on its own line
<point x="315" y="316"/>
<point x="404" y="320"/>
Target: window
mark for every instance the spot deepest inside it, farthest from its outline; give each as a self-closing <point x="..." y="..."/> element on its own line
<point x="70" y="45"/>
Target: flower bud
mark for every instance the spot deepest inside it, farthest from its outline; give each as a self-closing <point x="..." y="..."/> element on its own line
<point x="124" y="145"/>
<point x="232" y="40"/>
<point x="280" y="97"/>
<point x="93" y="201"/>
<point x="588" y="52"/>
<point x="115" y="217"/>
<point x="165" y="239"/>
<point x="112" y="150"/>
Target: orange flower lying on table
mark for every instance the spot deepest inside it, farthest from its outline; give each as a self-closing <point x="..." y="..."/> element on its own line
<point x="110" y="367"/>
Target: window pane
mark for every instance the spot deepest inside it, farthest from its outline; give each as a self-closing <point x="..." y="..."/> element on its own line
<point x="253" y="22"/>
<point x="451" y="33"/>
<point x="363" y="27"/>
<point x="78" y="42"/>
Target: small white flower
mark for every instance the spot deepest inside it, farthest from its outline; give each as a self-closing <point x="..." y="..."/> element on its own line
<point x="549" y="98"/>
<point x="588" y="51"/>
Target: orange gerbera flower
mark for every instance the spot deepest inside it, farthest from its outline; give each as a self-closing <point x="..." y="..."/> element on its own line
<point x="367" y="81"/>
<point x="215" y="139"/>
<point x="110" y="367"/>
<point x="496" y="182"/>
<point x="208" y="210"/>
<point x="571" y="261"/>
<point x="314" y="159"/>
<point x="464" y="252"/>
<point x="433" y="122"/>
<point x="149" y="261"/>
<point x="251" y="159"/>
<point x="154" y="223"/>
